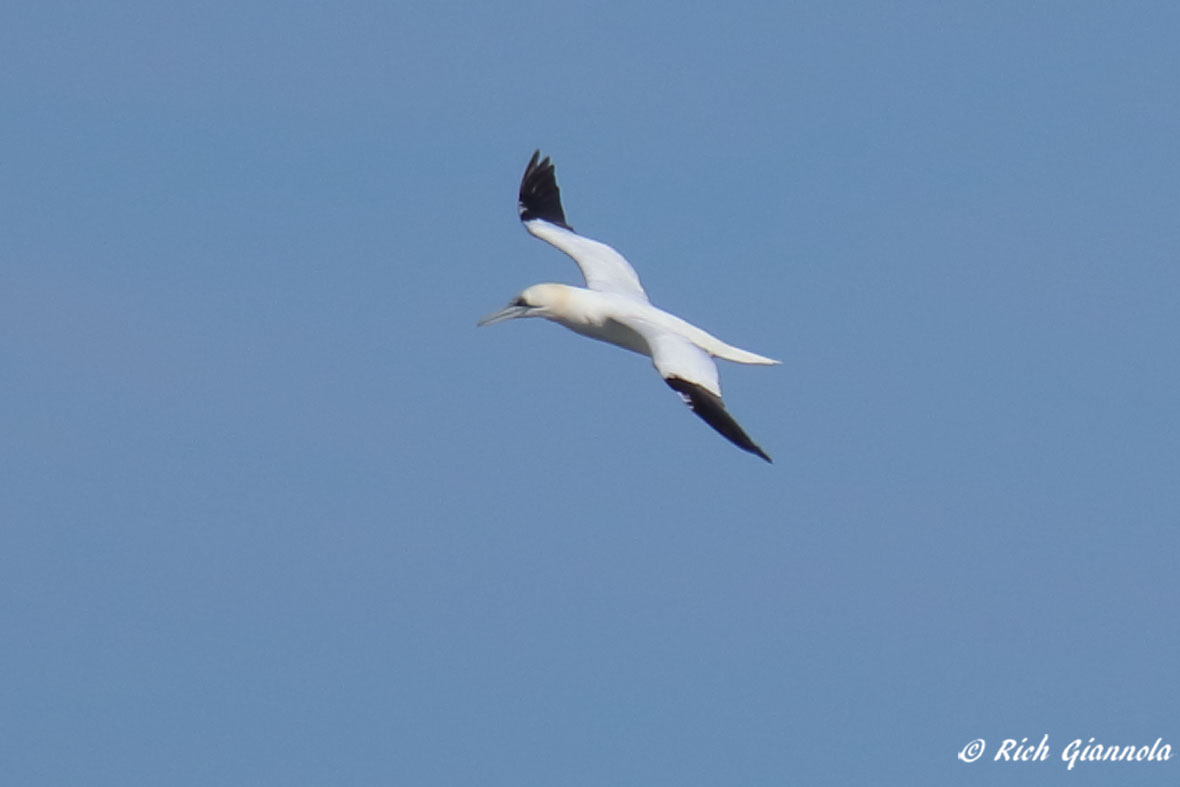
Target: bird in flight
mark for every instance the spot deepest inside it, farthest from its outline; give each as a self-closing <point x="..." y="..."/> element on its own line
<point x="614" y="308"/>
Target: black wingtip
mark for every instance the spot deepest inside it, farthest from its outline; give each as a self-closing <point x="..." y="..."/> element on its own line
<point x="712" y="411"/>
<point x="540" y="198"/>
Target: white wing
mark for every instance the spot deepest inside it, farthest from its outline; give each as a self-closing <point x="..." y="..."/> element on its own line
<point x="604" y="269"/>
<point x="689" y="371"/>
<point x="675" y="356"/>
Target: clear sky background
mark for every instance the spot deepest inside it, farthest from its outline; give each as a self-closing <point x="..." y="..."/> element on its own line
<point x="274" y="511"/>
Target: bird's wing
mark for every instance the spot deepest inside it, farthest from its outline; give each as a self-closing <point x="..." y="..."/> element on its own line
<point x="540" y="209"/>
<point x="689" y="371"/>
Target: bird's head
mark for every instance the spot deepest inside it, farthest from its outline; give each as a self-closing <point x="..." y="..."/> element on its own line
<point x="536" y="301"/>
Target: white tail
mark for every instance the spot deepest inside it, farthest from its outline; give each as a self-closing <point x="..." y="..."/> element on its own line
<point x="738" y="355"/>
<point x="715" y="347"/>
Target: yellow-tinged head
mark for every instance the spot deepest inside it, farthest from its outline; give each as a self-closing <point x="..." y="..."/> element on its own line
<point x="540" y="300"/>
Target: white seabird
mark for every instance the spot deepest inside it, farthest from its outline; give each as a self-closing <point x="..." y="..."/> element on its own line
<point x="614" y="308"/>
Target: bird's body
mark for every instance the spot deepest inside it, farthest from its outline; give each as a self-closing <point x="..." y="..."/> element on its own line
<point x="614" y="308"/>
<point x="609" y="317"/>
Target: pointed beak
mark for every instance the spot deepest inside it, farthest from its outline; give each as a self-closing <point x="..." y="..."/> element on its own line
<point x="507" y="313"/>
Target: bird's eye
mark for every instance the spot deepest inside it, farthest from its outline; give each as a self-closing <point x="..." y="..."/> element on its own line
<point x="520" y="302"/>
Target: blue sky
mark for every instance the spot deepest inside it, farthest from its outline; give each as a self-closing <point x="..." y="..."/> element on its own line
<point x="276" y="512"/>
